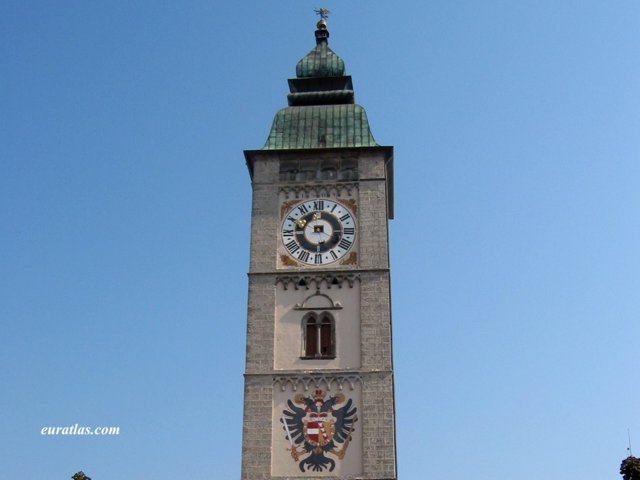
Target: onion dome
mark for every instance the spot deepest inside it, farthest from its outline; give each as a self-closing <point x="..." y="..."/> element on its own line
<point x="322" y="112"/>
<point x="321" y="61"/>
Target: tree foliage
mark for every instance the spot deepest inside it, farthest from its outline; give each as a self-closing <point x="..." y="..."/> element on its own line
<point x="80" y="476"/>
<point x="630" y="468"/>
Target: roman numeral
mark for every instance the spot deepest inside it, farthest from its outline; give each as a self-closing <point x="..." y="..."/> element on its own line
<point x="349" y="231"/>
<point x="303" y="209"/>
<point x="303" y="256"/>
<point x="334" y="207"/>
<point x="344" y="217"/>
<point x="318" y="259"/>
<point x="344" y="244"/>
<point x="333" y="255"/>
<point x="318" y="205"/>
<point x="292" y="246"/>
<point x="287" y="233"/>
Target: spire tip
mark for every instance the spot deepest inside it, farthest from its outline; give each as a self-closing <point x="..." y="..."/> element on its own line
<point x="324" y="14"/>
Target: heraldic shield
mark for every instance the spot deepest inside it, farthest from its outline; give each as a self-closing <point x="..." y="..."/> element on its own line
<point x="316" y="427"/>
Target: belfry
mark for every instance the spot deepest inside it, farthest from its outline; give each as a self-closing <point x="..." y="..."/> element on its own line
<point x="319" y="388"/>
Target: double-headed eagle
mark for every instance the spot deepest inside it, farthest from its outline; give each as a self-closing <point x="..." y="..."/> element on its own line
<point x="317" y="428"/>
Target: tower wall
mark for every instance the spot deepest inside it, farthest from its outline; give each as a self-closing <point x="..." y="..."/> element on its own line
<point x="319" y="392"/>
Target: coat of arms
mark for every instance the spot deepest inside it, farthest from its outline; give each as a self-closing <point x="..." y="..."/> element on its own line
<point x="317" y="428"/>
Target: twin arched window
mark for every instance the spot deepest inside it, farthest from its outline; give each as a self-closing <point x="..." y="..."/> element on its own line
<point x="318" y="333"/>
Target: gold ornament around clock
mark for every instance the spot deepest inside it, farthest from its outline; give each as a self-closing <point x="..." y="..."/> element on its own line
<point x="318" y="231"/>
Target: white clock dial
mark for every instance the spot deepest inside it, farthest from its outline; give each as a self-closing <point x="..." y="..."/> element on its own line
<point x="318" y="231"/>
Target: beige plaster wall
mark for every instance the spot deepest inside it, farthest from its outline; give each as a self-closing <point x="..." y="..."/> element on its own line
<point x="282" y="463"/>
<point x="288" y="338"/>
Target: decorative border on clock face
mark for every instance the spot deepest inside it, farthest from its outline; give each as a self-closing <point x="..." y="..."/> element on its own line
<point x="317" y="231"/>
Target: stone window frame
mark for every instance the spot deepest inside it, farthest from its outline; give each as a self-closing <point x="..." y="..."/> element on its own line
<point x="317" y="321"/>
<point x="314" y="170"/>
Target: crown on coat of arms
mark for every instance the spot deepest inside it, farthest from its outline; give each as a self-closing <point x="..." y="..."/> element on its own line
<point x="318" y="395"/>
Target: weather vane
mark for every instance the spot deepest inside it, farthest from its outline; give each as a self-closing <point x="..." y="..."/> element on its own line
<point x="323" y="12"/>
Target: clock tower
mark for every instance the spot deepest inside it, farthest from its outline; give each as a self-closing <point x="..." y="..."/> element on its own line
<point x="319" y="392"/>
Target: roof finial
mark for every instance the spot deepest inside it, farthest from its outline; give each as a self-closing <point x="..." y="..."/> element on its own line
<point x="324" y="14"/>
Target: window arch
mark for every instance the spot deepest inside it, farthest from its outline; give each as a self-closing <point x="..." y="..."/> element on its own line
<point x="318" y="336"/>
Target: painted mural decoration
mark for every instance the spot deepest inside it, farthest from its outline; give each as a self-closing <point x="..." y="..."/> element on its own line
<point x="318" y="428"/>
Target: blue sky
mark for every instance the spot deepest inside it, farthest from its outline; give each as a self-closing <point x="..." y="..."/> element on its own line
<point x="125" y="204"/>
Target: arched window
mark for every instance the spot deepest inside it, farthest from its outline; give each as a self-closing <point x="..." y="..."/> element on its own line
<point x="329" y="173"/>
<point x="318" y="336"/>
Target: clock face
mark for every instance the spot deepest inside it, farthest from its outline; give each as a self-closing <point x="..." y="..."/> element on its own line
<point x="318" y="231"/>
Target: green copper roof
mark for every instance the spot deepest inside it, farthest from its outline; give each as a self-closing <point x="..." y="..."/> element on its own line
<point x="320" y="126"/>
<point x="321" y="111"/>
<point x="320" y="62"/>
